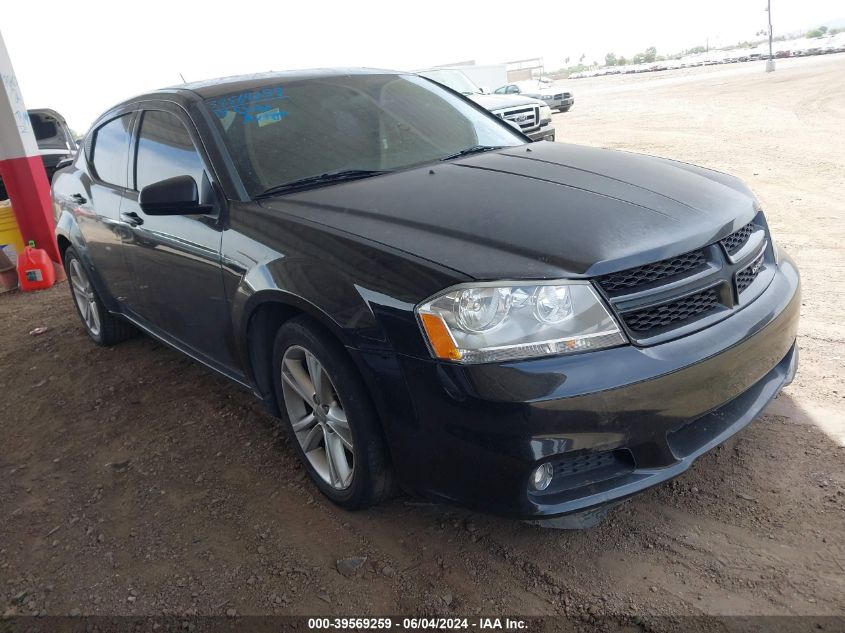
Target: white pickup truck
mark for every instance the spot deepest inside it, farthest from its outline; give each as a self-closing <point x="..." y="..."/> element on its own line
<point x="552" y="96"/>
<point x="533" y="116"/>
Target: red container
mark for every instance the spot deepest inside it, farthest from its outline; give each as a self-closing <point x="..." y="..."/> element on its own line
<point x="35" y="269"/>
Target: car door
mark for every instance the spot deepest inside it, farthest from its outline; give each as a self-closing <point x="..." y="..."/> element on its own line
<point x="175" y="259"/>
<point x="102" y="185"/>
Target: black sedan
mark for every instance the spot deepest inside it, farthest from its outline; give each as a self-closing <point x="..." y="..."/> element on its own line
<point x="422" y="296"/>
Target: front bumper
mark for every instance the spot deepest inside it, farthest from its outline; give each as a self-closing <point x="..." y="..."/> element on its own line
<point x="544" y="133"/>
<point x="612" y="422"/>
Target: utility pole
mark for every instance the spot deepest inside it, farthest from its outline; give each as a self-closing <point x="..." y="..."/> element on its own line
<point x="770" y="63"/>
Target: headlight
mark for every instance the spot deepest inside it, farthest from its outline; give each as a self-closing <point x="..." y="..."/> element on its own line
<point x="545" y="113"/>
<point x="487" y="322"/>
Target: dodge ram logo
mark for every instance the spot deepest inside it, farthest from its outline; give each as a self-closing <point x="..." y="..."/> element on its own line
<point x="520" y="118"/>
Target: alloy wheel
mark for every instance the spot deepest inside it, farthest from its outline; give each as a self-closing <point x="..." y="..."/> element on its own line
<point x="318" y="417"/>
<point x="86" y="299"/>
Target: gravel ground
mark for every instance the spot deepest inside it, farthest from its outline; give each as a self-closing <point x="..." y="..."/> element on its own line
<point x="133" y="481"/>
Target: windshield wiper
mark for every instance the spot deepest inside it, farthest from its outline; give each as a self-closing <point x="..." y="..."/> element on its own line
<point x="475" y="149"/>
<point x="322" y="179"/>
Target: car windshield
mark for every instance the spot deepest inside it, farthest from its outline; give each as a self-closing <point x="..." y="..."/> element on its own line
<point x="288" y="131"/>
<point x="453" y="79"/>
<point x="532" y="85"/>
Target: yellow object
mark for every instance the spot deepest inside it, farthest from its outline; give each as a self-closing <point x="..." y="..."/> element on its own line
<point x="10" y="235"/>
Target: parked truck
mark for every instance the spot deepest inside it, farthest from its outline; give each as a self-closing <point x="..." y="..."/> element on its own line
<point x="54" y="138"/>
<point x="532" y="116"/>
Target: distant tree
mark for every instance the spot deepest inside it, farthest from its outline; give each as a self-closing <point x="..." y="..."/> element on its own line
<point x="583" y="56"/>
<point x="650" y="54"/>
<point x="566" y="61"/>
<point x="819" y="32"/>
<point x="621" y="61"/>
<point x="610" y="59"/>
<point x="639" y="58"/>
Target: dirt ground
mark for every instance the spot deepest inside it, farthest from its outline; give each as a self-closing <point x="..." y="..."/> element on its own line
<point x="134" y="481"/>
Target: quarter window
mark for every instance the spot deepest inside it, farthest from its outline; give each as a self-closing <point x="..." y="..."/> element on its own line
<point x="110" y="150"/>
<point x="165" y="150"/>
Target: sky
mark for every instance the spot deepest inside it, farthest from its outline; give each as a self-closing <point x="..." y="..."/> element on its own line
<point x="82" y="56"/>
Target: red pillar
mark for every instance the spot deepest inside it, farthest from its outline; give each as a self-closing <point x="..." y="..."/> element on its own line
<point x="21" y="167"/>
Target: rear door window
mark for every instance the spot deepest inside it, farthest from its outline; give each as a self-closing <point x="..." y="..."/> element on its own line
<point x="111" y="149"/>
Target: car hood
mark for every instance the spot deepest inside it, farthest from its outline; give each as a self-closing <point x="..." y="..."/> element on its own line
<point x="547" y="91"/>
<point x="500" y="102"/>
<point x="543" y="210"/>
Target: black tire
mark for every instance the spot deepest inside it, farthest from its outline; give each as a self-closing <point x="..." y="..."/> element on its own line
<point x="113" y="329"/>
<point x="372" y="475"/>
<point x="565" y="109"/>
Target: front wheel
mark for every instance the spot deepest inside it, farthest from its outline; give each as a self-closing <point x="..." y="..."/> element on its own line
<point x="564" y="109"/>
<point x="329" y="416"/>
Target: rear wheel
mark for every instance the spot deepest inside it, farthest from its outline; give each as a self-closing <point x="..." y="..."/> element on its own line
<point x="329" y="416"/>
<point x="102" y="326"/>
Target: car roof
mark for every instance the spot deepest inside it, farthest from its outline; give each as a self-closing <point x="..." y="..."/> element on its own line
<point x="210" y="88"/>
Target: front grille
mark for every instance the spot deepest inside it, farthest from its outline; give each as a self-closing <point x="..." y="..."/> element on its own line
<point x="650" y="273"/>
<point x="747" y="275"/>
<point x="525" y="117"/>
<point x="736" y="240"/>
<point x="656" y="317"/>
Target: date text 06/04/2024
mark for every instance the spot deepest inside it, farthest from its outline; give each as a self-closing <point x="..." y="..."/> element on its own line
<point x="417" y="624"/>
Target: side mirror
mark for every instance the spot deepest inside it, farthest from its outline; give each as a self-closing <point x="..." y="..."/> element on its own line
<point x="174" y="196"/>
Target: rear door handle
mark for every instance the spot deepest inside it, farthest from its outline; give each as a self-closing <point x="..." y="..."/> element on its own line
<point x="132" y="218"/>
<point x="78" y="198"/>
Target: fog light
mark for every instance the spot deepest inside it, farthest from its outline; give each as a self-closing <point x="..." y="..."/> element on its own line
<point x="542" y="476"/>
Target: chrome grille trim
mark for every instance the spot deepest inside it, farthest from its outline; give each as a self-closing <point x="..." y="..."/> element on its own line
<point x="526" y="117"/>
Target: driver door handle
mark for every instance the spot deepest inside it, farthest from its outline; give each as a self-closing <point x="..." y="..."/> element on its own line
<point x="132" y="218"/>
